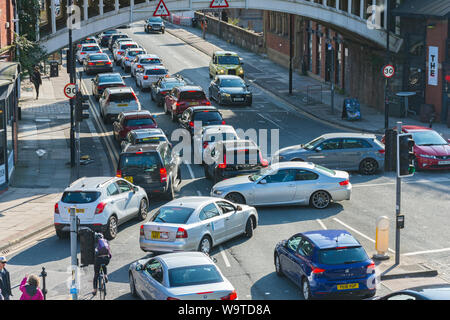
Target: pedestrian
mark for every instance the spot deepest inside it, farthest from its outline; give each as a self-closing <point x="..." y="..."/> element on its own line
<point x="5" y="282"/>
<point x="36" y="80"/>
<point x="30" y="288"/>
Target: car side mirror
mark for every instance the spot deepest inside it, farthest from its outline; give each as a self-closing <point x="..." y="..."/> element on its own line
<point x="263" y="181"/>
<point x="238" y="208"/>
<point x="318" y="149"/>
<point x="135" y="189"/>
<point x="139" y="267"/>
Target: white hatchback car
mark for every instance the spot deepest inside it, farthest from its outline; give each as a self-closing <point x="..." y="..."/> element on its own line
<point x="87" y="49"/>
<point x="142" y="60"/>
<point x="116" y="100"/>
<point x="210" y="135"/>
<point x="128" y="57"/>
<point x="149" y="74"/>
<point x="101" y="203"/>
<point x="120" y="50"/>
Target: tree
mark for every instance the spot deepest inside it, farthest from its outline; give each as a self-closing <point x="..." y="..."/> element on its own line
<point x="31" y="53"/>
<point x="29" y="11"/>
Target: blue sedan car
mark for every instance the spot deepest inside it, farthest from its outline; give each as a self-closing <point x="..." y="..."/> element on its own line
<point x="326" y="263"/>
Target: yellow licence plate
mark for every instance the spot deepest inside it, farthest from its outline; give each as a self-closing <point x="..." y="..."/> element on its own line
<point x="77" y="210"/>
<point x="123" y="105"/>
<point x="100" y="64"/>
<point x="348" y="286"/>
<point x="129" y="179"/>
<point x="155" y="235"/>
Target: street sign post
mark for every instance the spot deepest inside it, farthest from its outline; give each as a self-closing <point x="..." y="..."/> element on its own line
<point x="219" y="4"/>
<point x="161" y="10"/>
<point x="388" y="71"/>
<point x="70" y="90"/>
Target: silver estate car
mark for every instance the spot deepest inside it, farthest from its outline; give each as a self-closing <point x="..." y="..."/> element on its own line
<point x="179" y="276"/>
<point x="302" y="183"/>
<point x="343" y="151"/>
<point x="196" y="223"/>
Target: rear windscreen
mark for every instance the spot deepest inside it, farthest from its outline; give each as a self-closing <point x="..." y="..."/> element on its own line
<point x="80" y="196"/>
<point x="98" y="57"/>
<point x="220" y="136"/>
<point x="127" y="46"/>
<point x="148" y="162"/>
<point x="155" y="71"/>
<point x="135" y="53"/>
<point x="139" y="122"/>
<point x="110" y="78"/>
<point x="151" y="140"/>
<point x="172" y="215"/>
<point x="150" y="61"/>
<point x="122" y="97"/>
<point x="93" y="48"/>
<point x="207" y="116"/>
<point x="193" y="275"/>
<point x="344" y="255"/>
<point x="242" y="156"/>
<point x="192" y="95"/>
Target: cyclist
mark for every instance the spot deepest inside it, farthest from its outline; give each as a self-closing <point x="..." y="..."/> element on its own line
<point x="102" y="257"/>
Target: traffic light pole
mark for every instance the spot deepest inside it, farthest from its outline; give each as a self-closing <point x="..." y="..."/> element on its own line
<point x="398" y="200"/>
<point x="71" y="64"/>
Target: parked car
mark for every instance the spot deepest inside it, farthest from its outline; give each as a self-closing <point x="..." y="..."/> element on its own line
<point x="205" y="115"/>
<point x="160" y="88"/>
<point x="132" y="120"/>
<point x="152" y="166"/>
<point x="102" y="204"/>
<point x="150" y="74"/>
<point x="154" y="24"/>
<point x="117" y="100"/>
<point x="231" y="158"/>
<point x="85" y="50"/>
<point x="105" y="36"/>
<point x="226" y="62"/>
<point x="129" y="56"/>
<point x="326" y="263"/>
<point x="230" y="90"/>
<point x="196" y="223"/>
<point x="179" y="276"/>
<point x="119" y="50"/>
<point x="142" y="60"/>
<point x="210" y="135"/>
<point x="427" y="292"/>
<point x="181" y="98"/>
<point x="113" y="39"/>
<point x="144" y="136"/>
<point x="344" y="151"/>
<point x="97" y="62"/>
<point x="106" y="80"/>
<point x="88" y="40"/>
<point x="287" y="183"/>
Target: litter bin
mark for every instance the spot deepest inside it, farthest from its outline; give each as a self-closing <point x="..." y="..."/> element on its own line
<point x="87" y="246"/>
<point x="54" y="68"/>
<point x="351" y="109"/>
<point x="194" y="22"/>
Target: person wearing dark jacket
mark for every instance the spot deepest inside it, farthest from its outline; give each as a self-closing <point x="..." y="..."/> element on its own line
<point x="36" y="80"/>
<point x="5" y="282"/>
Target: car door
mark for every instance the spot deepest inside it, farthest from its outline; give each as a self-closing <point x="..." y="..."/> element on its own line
<point x="287" y="255"/>
<point x="353" y="151"/>
<point x="327" y="153"/>
<point x="131" y="201"/>
<point x="152" y="280"/>
<point x="305" y="184"/>
<point x="234" y="219"/>
<point x="116" y="199"/>
<point x="95" y="86"/>
<point x="214" y="222"/>
<point x="279" y="187"/>
<point x="301" y="262"/>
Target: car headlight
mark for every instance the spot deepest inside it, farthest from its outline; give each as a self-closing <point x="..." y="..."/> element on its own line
<point x="226" y="94"/>
<point x="241" y="71"/>
<point x="222" y="71"/>
<point x="427" y="156"/>
<point x="218" y="192"/>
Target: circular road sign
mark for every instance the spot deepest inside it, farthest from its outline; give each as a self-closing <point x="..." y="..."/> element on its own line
<point x="70" y="90"/>
<point x="388" y="71"/>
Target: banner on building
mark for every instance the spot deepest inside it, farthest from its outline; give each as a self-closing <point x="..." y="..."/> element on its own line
<point x="433" y="65"/>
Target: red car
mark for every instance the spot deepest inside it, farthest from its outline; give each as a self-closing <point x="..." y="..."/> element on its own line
<point x="183" y="97"/>
<point x="132" y="120"/>
<point x="431" y="150"/>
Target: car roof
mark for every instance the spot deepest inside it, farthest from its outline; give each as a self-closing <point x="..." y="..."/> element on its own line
<point x="190" y="88"/>
<point x="185" y="259"/>
<point x="131" y="114"/>
<point x="226" y="76"/>
<point x="127" y="42"/>
<point x="135" y="49"/>
<point x="203" y="108"/>
<point x="86" y="45"/>
<point x="240" y="143"/>
<point x="88" y="183"/>
<point x="349" y="135"/>
<point x="119" y="90"/>
<point x="218" y="128"/>
<point x="147" y="55"/>
<point x="222" y="52"/>
<point x="293" y="165"/>
<point x="439" y="291"/>
<point x="145" y="147"/>
<point x="325" y="239"/>
<point x="190" y="202"/>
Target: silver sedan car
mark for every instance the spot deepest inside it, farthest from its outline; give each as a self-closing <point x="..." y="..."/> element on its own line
<point x="179" y="276"/>
<point x="196" y="223"/>
<point x="301" y="183"/>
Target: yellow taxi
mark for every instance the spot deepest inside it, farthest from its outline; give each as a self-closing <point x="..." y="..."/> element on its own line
<point x="226" y="62"/>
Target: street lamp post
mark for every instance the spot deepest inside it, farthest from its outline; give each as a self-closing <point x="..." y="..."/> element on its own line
<point x="387" y="162"/>
<point x="71" y="64"/>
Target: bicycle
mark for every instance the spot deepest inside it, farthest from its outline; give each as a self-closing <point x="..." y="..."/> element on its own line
<point x="101" y="285"/>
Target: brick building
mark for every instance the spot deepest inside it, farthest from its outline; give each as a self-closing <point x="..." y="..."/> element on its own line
<point x="6" y="29"/>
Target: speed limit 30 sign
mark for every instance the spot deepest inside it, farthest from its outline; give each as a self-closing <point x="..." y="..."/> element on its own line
<point x="70" y="90"/>
<point x="388" y="71"/>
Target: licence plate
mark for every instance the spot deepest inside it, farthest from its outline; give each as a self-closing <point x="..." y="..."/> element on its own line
<point x="123" y="105"/>
<point x="238" y="99"/>
<point x="159" y="235"/>
<point x="100" y="64"/>
<point x="348" y="286"/>
<point x="192" y="103"/>
<point x="129" y="179"/>
<point x="444" y="162"/>
<point x="76" y="210"/>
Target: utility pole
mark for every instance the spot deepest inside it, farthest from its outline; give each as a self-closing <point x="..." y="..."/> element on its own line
<point x="398" y="199"/>
<point x="71" y="69"/>
<point x="291" y="51"/>
<point x="331" y="48"/>
<point x="386" y="86"/>
<point x="73" y="253"/>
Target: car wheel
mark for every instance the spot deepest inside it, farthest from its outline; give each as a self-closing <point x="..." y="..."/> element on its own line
<point x="249" y="228"/>
<point x="320" y="199"/>
<point x="306" y="289"/>
<point x="235" y="198"/>
<point x="143" y="209"/>
<point x="368" y="166"/>
<point x="62" y="234"/>
<point x="132" y="286"/>
<point x="111" y="228"/>
<point x="278" y="269"/>
<point x="205" y="245"/>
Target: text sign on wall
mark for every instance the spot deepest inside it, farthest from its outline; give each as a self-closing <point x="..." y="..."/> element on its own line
<point x="433" y="65"/>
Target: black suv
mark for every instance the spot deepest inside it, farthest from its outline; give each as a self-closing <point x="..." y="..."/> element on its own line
<point x="231" y="158"/>
<point x="207" y="115"/>
<point x="151" y="166"/>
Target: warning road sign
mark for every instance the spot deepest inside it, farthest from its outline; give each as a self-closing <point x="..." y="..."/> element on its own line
<point x="161" y="10"/>
<point x="219" y="4"/>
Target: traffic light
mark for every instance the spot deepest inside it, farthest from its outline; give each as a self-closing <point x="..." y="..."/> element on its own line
<point x="80" y="106"/>
<point x="405" y="155"/>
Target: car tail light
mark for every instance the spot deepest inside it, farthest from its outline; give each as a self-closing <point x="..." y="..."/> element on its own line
<point x="56" y="208"/>
<point x="316" y="270"/>
<point x="371" y="268"/>
<point x="191" y="124"/>
<point x="99" y="52"/>
<point x="119" y="52"/>
<point x="223" y="165"/>
<point x="134" y="95"/>
<point x="205" y="144"/>
<point x="139" y="66"/>
<point x="119" y="173"/>
<point x="178" y="104"/>
<point x="344" y="183"/>
<point x="163" y="174"/>
<point x="172" y="298"/>
<point x="163" y="92"/>
<point x="181" y="233"/>
<point x="208" y="103"/>
<point x="91" y="63"/>
<point x="83" y="52"/>
<point x="126" y="58"/>
<point x="381" y="151"/>
<point x="141" y="231"/>
<point x="100" y="88"/>
<point x="100" y="207"/>
<point x="108" y="62"/>
<point x="231" y="296"/>
<point x="223" y="121"/>
<point x="145" y="77"/>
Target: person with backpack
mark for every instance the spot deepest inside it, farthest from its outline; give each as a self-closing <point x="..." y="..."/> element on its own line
<point x="102" y="257"/>
<point x="30" y="288"/>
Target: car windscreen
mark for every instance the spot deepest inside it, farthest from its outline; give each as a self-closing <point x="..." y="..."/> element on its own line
<point x="262" y="173"/>
<point x="135" y="53"/>
<point x="128" y="46"/>
<point x="122" y="97"/>
<point x="155" y="20"/>
<point x="91" y="48"/>
<point x="139" y="122"/>
<point x="94" y="57"/>
<point x="427" y="138"/>
<point x="155" y="71"/>
<point x="150" y="61"/>
<point x="171" y="85"/>
<point x="228" y="60"/>
<point x="312" y="144"/>
<point x="220" y="136"/>
<point x="192" y="95"/>
<point x="80" y="196"/>
<point x="207" y="116"/>
<point x="110" y="78"/>
<point x="343" y="255"/>
<point x="148" y="161"/>
<point x="171" y="214"/>
<point x="194" y="275"/>
<point x="232" y="83"/>
<point x="157" y="139"/>
<point x="323" y="169"/>
<point x="242" y="156"/>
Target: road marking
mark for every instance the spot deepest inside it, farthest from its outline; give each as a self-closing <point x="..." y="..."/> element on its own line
<point x="276" y="124"/>
<point x="321" y="224"/>
<point x="192" y="175"/>
<point x="436" y="180"/>
<point x="222" y="253"/>
<point x="426" y="251"/>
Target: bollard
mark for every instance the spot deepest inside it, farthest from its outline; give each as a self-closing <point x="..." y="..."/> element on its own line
<point x="44" y="289"/>
<point x="382" y="238"/>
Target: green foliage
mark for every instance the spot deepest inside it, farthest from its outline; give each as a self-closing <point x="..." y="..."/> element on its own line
<point x="29" y="11"/>
<point x="233" y="21"/>
<point x="30" y="53"/>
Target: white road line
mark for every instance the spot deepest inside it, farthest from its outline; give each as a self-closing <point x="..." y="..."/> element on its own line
<point x="356" y="231"/>
<point x="224" y="256"/>
<point x="192" y="175"/>
<point x="357" y="185"/>
<point x="276" y="124"/>
<point x="321" y="224"/>
<point x="426" y="251"/>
